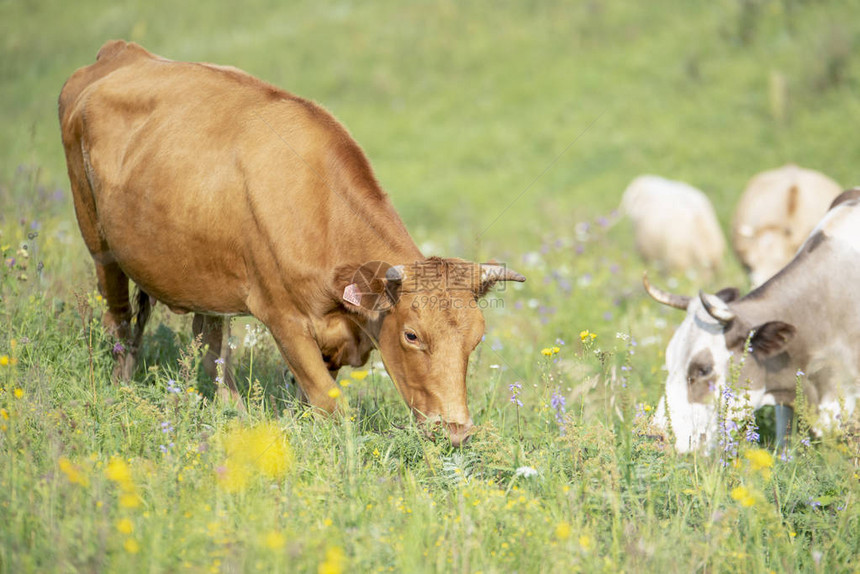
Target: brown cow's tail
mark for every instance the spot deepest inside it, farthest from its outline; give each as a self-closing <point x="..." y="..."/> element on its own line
<point x="142" y="310"/>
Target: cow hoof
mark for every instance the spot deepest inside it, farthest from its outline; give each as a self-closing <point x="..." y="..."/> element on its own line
<point x="231" y="398"/>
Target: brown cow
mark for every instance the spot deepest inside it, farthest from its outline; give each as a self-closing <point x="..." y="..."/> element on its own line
<point x="221" y="195"/>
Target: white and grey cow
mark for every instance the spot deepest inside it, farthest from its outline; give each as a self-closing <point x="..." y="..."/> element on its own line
<point x="806" y="318"/>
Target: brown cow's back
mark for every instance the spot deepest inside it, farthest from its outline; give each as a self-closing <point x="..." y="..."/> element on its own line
<point x="196" y="170"/>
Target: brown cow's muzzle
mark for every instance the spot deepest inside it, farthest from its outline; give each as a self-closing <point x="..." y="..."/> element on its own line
<point x="459" y="434"/>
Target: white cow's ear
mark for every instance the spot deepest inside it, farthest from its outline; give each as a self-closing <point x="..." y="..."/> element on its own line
<point x="771" y="338"/>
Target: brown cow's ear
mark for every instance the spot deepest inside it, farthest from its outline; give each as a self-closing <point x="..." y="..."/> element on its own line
<point x="771" y="338"/>
<point x="369" y="288"/>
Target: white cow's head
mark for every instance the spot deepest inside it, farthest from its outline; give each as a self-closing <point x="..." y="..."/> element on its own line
<point x="700" y="356"/>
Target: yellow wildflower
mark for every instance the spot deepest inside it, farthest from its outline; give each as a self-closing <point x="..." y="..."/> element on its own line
<point x="555" y="350"/>
<point x="587" y="335"/>
<point x="118" y="471"/>
<point x="4" y="414"/>
<point x="131" y="546"/>
<point x="18" y="393"/>
<point x="274" y="540"/>
<point x="562" y="530"/>
<point x="334" y="393"/>
<point x="4" y="360"/>
<point x="345" y="382"/>
<point x="358" y="375"/>
<point x="760" y="460"/>
<point x="743" y="495"/>
<point x="547" y="352"/>
<point x="129" y="500"/>
<point x="262" y="449"/>
<point x="585" y="542"/>
<point x="125" y="526"/>
<point x="73" y="472"/>
<point x="333" y="563"/>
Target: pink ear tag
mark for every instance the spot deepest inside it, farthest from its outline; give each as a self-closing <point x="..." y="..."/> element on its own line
<point x="351" y="294"/>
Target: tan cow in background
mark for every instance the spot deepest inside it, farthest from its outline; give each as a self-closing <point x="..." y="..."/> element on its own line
<point x="774" y="216"/>
<point x="674" y="224"/>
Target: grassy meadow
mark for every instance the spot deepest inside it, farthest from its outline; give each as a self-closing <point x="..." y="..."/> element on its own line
<point x="503" y="130"/>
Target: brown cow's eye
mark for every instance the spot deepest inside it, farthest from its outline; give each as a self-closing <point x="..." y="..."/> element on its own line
<point x="410" y="336"/>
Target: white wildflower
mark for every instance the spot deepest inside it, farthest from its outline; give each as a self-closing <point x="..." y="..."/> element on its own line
<point x="526" y="472"/>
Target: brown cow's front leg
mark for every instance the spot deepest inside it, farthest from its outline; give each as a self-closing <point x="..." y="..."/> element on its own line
<point x="305" y="361"/>
<point x="211" y="327"/>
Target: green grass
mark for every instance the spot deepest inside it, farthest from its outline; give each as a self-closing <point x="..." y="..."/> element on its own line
<point x="476" y="118"/>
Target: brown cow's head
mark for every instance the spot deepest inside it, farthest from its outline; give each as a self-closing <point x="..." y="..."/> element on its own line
<point x="429" y="321"/>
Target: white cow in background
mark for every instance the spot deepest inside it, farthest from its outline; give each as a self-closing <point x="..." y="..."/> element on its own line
<point x="776" y="212"/>
<point x="674" y="224"/>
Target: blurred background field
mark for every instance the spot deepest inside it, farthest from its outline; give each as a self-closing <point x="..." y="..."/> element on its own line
<point x="502" y="130"/>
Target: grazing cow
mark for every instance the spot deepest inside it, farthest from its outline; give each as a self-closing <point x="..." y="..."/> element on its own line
<point x="805" y="318"/>
<point x="775" y="214"/>
<point x="221" y="195"/>
<point x="674" y="224"/>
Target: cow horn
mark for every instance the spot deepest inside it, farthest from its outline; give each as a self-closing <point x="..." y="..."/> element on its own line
<point x="394" y="274"/>
<point x="716" y="307"/>
<point x="670" y="299"/>
<point x="490" y="272"/>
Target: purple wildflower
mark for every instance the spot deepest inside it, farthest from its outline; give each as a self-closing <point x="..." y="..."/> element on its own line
<point x="558" y="404"/>
<point x="515" y="389"/>
<point x="751" y="432"/>
<point x="118" y="348"/>
<point x="172" y="387"/>
<point x="166" y="428"/>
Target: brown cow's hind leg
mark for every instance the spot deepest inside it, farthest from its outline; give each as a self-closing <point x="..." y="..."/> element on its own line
<point x="113" y="286"/>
